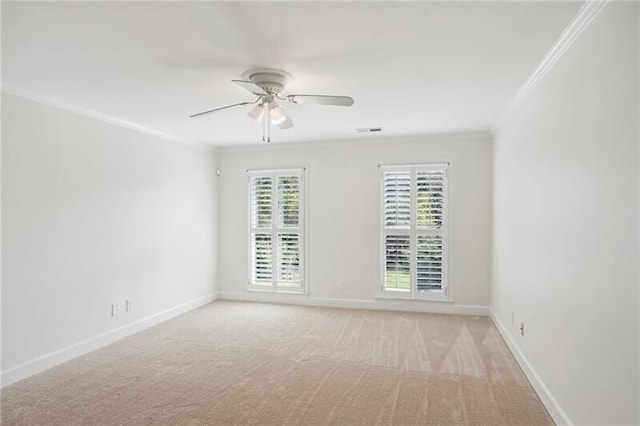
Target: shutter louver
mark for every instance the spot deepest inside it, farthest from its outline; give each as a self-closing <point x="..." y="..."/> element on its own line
<point x="288" y="259"/>
<point x="397" y="262"/>
<point x="261" y="199"/>
<point x="288" y="201"/>
<point x="397" y="199"/>
<point x="429" y="199"/>
<point x="429" y="263"/>
<point x="262" y="260"/>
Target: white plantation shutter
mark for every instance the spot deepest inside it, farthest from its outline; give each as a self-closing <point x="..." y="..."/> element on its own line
<point x="397" y="262"/>
<point x="262" y="259"/>
<point x="430" y="198"/>
<point x="429" y="263"/>
<point x="289" y="241"/>
<point x="414" y="228"/>
<point x="289" y="201"/>
<point x="276" y="229"/>
<point x="261" y="198"/>
<point x="288" y="259"/>
<point x="261" y="201"/>
<point x="397" y="199"/>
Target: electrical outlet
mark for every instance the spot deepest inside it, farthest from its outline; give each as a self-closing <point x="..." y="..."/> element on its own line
<point x="128" y="305"/>
<point x="522" y="329"/>
<point x="115" y="310"/>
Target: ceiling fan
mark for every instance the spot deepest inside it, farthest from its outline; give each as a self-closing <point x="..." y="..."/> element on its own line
<point x="268" y="84"/>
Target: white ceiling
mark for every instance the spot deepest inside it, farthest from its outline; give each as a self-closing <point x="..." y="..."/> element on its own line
<point x="412" y="68"/>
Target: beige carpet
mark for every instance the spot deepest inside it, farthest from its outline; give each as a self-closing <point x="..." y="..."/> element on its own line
<point x="249" y="363"/>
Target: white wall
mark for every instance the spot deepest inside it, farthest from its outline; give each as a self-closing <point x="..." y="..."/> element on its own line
<point x="343" y="224"/>
<point x="566" y="224"/>
<point x="94" y="214"/>
<point x="638" y="137"/>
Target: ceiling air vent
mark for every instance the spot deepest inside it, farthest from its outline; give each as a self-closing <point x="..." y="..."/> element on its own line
<point x="369" y="130"/>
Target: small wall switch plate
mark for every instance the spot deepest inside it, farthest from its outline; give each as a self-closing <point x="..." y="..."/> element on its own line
<point x="114" y="309"/>
<point x="522" y="329"/>
<point x="128" y="305"/>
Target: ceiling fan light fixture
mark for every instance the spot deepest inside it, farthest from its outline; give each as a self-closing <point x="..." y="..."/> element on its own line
<point x="278" y="116"/>
<point x="257" y="113"/>
<point x="286" y="124"/>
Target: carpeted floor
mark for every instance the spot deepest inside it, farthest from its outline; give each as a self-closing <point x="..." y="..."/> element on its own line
<point x="249" y="363"/>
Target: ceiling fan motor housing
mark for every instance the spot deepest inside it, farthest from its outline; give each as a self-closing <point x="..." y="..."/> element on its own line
<point x="272" y="81"/>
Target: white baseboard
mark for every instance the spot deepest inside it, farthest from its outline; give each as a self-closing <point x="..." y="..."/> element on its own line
<point x="551" y="404"/>
<point x="374" y="304"/>
<point x="45" y="362"/>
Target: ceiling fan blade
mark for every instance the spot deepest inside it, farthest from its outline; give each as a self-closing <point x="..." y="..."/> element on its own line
<point x="321" y="100"/>
<point x="220" y="109"/>
<point x="252" y="87"/>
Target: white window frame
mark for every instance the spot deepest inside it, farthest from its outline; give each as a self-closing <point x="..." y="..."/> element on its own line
<point x="273" y="230"/>
<point x="445" y="294"/>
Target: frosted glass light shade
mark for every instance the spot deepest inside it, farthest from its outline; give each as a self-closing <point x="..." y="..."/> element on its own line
<point x="257" y="113"/>
<point x="277" y="115"/>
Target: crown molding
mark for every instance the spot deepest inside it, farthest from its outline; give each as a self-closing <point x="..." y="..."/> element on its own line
<point x="580" y="22"/>
<point x="69" y="107"/>
<point x="587" y="13"/>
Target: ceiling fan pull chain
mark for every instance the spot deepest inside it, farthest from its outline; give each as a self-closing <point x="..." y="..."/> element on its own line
<point x="263" y="129"/>
<point x="269" y="125"/>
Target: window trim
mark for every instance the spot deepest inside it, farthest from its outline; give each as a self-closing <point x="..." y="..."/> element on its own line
<point x="301" y="231"/>
<point x="412" y="232"/>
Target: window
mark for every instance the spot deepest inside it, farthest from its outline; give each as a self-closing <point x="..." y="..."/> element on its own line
<point x="276" y="230"/>
<point x="414" y="231"/>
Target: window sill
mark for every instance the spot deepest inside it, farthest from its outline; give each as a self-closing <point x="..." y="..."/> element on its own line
<point x="278" y="291"/>
<point x="399" y="296"/>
